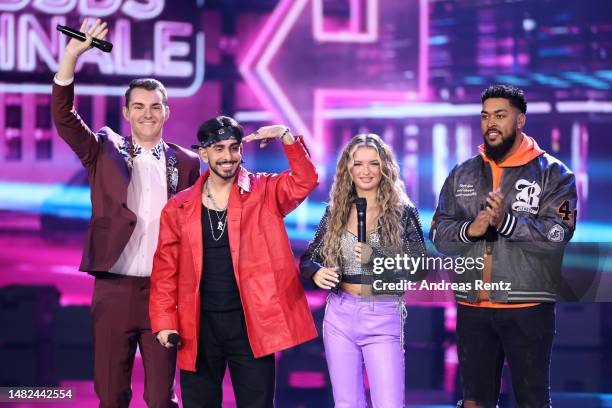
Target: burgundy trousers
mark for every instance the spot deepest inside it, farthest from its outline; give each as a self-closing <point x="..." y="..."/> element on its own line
<point x="120" y="314"/>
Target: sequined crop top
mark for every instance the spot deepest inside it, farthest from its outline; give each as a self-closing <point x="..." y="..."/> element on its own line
<point x="413" y="244"/>
<point x="353" y="271"/>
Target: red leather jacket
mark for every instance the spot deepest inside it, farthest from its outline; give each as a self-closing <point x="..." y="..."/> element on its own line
<point x="276" y="312"/>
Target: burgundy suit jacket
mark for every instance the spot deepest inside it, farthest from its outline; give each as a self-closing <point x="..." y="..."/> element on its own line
<point x="105" y="155"/>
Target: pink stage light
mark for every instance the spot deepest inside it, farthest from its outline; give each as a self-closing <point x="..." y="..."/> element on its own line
<point x="255" y="68"/>
<point x="316" y="299"/>
<point x="306" y="379"/>
<point x="354" y="35"/>
<point x="251" y="58"/>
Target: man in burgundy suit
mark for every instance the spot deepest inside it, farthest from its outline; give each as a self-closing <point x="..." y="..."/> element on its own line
<point x="131" y="178"/>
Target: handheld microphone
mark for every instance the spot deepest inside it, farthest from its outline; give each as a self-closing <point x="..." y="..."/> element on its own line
<point x="361" y="205"/>
<point x="99" y="44"/>
<point x="174" y="338"/>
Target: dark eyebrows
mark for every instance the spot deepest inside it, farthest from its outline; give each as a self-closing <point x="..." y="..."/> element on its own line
<point x="497" y="111"/>
<point x="221" y="145"/>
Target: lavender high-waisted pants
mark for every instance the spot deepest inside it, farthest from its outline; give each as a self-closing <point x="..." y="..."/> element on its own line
<point x="362" y="333"/>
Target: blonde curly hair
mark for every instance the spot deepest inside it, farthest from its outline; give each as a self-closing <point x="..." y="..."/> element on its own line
<point x="391" y="197"/>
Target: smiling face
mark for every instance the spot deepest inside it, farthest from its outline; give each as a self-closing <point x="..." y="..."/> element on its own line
<point x="365" y="169"/>
<point x="223" y="158"/>
<point x="500" y="122"/>
<point x="147" y="114"/>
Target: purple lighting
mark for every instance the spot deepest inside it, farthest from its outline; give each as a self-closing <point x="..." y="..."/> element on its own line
<point x="354" y="35"/>
<point x="303" y="108"/>
<point x="306" y="379"/>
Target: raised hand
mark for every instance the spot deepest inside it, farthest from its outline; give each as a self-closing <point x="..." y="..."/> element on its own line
<point x="97" y="30"/>
<point x="75" y="48"/>
<point x="267" y="133"/>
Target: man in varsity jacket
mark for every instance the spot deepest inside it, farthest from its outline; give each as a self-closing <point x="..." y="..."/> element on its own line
<point x="515" y="206"/>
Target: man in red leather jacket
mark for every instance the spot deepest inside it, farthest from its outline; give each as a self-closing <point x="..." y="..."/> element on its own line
<point x="224" y="276"/>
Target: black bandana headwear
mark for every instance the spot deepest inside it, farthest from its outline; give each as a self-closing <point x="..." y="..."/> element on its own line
<point x="207" y="138"/>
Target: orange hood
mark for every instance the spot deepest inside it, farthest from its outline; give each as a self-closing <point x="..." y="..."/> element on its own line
<point x="527" y="151"/>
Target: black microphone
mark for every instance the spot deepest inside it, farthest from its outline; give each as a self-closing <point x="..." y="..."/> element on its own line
<point x="361" y="205"/>
<point x="71" y="32"/>
<point x="174" y="338"/>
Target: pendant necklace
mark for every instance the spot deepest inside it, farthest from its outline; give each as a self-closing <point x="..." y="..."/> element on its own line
<point x="221" y="220"/>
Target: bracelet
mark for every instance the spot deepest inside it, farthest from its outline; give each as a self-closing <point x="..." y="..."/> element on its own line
<point x="285" y="133"/>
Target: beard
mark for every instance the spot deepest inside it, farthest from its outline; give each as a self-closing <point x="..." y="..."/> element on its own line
<point x="222" y="174"/>
<point x="499" y="151"/>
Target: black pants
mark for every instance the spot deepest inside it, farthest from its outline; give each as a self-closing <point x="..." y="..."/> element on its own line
<point x="223" y="341"/>
<point x="486" y="336"/>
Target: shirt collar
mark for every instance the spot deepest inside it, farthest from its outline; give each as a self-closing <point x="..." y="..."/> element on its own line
<point x="156" y="151"/>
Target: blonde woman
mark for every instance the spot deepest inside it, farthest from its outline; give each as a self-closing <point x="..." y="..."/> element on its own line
<point x="363" y="335"/>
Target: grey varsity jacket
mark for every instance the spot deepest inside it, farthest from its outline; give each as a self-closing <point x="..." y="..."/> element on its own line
<point x="527" y="250"/>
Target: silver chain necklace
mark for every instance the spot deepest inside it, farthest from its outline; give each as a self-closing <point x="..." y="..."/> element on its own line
<point x="221" y="221"/>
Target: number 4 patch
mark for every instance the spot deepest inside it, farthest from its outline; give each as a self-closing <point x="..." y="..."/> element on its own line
<point x="568" y="215"/>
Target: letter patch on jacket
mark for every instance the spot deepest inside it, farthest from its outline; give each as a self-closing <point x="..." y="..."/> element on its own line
<point x="527" y="198"/>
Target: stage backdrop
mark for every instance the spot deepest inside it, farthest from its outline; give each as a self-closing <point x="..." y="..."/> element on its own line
<point x="410" y="70"/>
